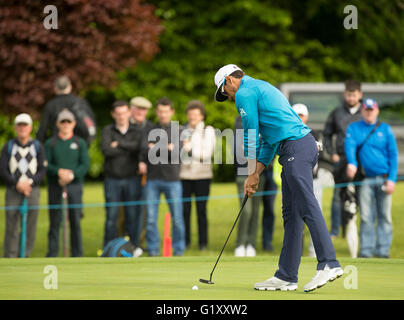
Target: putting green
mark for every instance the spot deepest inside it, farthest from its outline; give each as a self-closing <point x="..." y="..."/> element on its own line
<point x="173" y="278"/>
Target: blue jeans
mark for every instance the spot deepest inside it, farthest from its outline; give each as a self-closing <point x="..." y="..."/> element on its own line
<point x="122" y="190"/>
<point x="173" y="191"/>
<point x="375" y="204"/>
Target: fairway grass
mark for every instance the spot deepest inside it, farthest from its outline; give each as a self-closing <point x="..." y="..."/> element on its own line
<point x="222" y="212"/>
<point x="150" y="278"/>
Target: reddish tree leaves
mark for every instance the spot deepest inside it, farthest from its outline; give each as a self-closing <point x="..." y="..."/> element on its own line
<point x="94" y="39"/>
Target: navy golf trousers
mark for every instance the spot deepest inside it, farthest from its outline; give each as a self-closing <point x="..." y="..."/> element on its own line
<point x="299" y="206"/>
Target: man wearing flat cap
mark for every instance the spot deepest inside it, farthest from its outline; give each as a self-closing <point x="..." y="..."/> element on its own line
<point x="68" y="163"/>
<point x="140" y="106"/>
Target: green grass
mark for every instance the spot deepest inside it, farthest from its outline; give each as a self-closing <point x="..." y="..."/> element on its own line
<point x="221" y="215"/>
<point x="172" y="278"/>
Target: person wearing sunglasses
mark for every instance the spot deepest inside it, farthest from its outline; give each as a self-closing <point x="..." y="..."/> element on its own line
<point x="68" y="163"/>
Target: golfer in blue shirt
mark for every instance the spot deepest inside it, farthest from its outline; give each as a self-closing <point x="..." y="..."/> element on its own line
<point x="271" y="126"/>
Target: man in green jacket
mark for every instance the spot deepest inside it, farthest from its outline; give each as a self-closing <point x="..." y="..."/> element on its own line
<point x="68" y="163"/>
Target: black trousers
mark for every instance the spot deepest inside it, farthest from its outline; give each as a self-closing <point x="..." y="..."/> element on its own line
<point x="74" y="196"/>
<point x="299" y="207"/>
<point x="268" y="217"/>
<point x="199" y="188"/>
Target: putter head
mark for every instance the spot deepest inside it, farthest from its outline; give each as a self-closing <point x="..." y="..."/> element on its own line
<point x="206" y="281"/>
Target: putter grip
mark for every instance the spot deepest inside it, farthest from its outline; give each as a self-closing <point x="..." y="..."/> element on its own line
<point x="244" y="200"/>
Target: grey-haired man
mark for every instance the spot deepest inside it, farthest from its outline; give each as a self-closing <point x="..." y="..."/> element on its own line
<point x="22" y="168"/>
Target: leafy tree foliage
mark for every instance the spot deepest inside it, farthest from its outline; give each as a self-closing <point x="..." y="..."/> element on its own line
<point x="373" y="53"/>
<point x="202" y="36"/>
<point x="94" y="39"/>
<point x="274" y="40"/>
<point x="111" y="47"/>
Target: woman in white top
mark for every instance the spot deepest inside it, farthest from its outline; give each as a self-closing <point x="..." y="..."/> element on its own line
<point x="196" y="168"/>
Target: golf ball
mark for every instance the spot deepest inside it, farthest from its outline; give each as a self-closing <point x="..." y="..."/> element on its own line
<point x="195" y="288"/>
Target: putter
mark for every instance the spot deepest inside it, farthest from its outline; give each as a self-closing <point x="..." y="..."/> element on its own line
<point x="238" y="216"/>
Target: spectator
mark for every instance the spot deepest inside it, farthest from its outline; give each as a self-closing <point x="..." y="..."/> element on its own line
<point x="196" y="169"/>
<point x="248" y="224"/>
<point x="120" y="145"/>
<point x="22" y="167"/>
<point x="85" y="120"/>
<point x="139" y="109"/>
<point x="303" y="114"/>
<point x="378" y="157"/>
<point x="268" y="217"/>
<point x="336" y="125"/>
<point x="68" y="164"/>
<point x="140" y="106"/>
<point x="163" y="177"/>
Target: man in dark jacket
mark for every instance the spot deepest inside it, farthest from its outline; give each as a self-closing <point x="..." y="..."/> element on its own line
<point x="163" y="177"/>
<point x="139" y="107"/>
<point x="336" y="125"/>
<point x="85" y="120"/>
<point x="120" y="144"/>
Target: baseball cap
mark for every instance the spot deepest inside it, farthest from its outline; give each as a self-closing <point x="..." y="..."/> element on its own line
<point x="65" y="115"/>
<point x="300" y="108"/>
<point x="23" y="118"/>
<point x="140" y="102"/>
<point x="220" y="76"/>
<point x="370" y="104"/>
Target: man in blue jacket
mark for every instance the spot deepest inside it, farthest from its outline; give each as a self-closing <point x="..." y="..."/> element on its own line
<point x="378" y="157"/>
<point x="266" y="113"/>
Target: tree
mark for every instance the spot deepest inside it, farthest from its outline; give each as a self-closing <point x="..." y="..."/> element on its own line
<point x="202" y="36"/>
<point x="274" y="40"/>
<point x="374" y="52"/>
<point x="93" y="40"/>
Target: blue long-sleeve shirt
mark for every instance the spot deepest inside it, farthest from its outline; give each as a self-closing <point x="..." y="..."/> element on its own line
<point x="266" y="112"/>
<point x="379" y="154"/>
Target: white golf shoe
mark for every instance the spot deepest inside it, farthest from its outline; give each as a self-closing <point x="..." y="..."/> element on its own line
<point x="275" y="283"/>
<point x="240" y="251"/>
<point x="322" y="277"/>
<point x="250" y="251"/>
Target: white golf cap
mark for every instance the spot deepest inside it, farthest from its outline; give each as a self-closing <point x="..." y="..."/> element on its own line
<point x="220" y="75"/>
<point x="23" y="118"/>
<point x="300" y="108"/>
